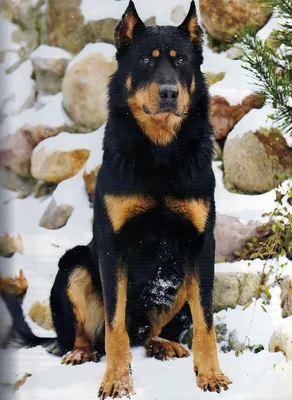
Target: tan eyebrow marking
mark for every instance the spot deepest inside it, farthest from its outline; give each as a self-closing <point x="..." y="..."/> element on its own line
<point x="155" y="53"/>
<point x="172" y="53"/>
<point x="193" y="86"/>
<point x="129" y="83"/>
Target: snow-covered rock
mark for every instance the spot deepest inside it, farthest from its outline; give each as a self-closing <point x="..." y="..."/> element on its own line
<point x="85" y="86"/>
<point x="10" y="245"/>
<point x="224" y="19"/>
<point x="56" y="215"/>
<point x="231" y="235"/>
<point x="225" y="116"/>
<point x="90" y="180"/>
<point x="286" y="296"/>
<point x="281" y="340"/>
<point x="63" y="156"/>
<point x="49" y="65"/>
<point x="233" y="288"/>
<point x="56" y="166"/>
<point x="252" y="161"/>
<point x="40" y="313"/>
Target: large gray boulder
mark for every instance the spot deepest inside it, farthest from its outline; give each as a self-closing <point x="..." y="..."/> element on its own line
<point x="254" y="161"/>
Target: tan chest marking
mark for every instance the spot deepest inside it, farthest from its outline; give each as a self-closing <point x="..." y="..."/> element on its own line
<point x="122" y="208"/>
<point x="195" y="210"/>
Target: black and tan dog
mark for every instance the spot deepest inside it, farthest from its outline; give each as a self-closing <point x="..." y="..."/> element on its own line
<point x="150" y="265"/>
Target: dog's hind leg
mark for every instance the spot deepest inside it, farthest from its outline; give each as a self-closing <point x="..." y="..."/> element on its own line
<point x="168" y="324"/>
<point x="77" y="307"/>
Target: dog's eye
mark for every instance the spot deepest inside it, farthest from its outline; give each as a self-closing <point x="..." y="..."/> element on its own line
<point x="180" y="61"/>
<point x="145" y="60"/>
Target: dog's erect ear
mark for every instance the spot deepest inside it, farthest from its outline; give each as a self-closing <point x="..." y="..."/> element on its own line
<point x="192" y="26"/>
<point x="128" y="24"/>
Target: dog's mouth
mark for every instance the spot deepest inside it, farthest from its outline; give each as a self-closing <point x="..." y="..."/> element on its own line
<point x="163" y="110"/>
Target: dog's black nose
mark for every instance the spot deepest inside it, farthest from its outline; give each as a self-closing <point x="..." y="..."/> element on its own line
<point x="168" y="93"/>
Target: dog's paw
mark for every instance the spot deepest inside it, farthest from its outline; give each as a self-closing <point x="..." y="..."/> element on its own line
<point x="80" y="356"/>
<point x="213" y="383"/>
<point x="116" y="387"/>
<point x="163" y="349"/>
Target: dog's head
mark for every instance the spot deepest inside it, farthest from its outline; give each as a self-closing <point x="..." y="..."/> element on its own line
<point x="159" y="66"/>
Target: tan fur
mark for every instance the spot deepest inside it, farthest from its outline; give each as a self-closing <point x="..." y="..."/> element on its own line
<point x="169" y="349"/>
<point x="161" y="128"/>
<point x="193" y="29"/>
<point x="160" y="318"/>
<point x="195" y="210"/>
<point x="88" y="307"/>
<point x="193" y="86"/>
<point x="172" y="53"/>
<point x="206" y="365"/>
<point x="155" y="53"/>
<point x="131" y="23"/>
<point x="122" y="208"/>
<point x="129" y="83"/>
<point x="117" y="346"/>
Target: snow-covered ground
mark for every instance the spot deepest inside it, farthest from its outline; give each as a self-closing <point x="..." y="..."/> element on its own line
<point x="264" y="375"/>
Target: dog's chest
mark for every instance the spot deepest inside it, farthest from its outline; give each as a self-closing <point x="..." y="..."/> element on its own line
<point x="121" y="208"/>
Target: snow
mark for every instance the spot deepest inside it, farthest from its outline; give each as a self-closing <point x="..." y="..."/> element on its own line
<point x="51" y="115"/>
<point x="7" y="30"/>
<point x="146" y="9"/>
<point x="46" y="51"/>
<point x="108" y="50"/>
<point x="19" y="89"/>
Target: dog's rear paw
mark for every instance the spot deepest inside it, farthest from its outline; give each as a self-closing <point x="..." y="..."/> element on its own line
<point x="162" y="349"/>
<point x="80" y="356"/>
<point x="213" y="383"/>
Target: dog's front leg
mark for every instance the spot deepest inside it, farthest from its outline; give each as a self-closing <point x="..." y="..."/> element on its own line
<point x="117" y="381"/>
<point x="200" y="284"/>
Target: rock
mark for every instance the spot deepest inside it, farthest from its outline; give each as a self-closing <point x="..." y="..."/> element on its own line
<point x="17" y="286"/>
<point x="40" y="313"/>
<point x="218" y="153"/>
<point x="233" y="288"/>
<point x="231" y="236"/>
<point x="234" y="53"/>
<point x="56" y="166"/>
<point x="90" y="180"/>
<point x="17" y="148"/>
<point x="281" y="339"/>
<point x="178" y="14"/>
<point x="24" y="13"/>
<point x="150" y="21"/>
<point x="6" y="322"/>
<point x="102" y="30"/>
<point x="66" y="26"/>
<point x="252" y="161"/>
<point x="223" y="19"/>
<point x="68" y="30"/>
<point x="43" y="188"/>
<point x="49" y="65"/>
<point x="10" y="245"/>
<point x="85" y="89"/>
<point x="20" y="382"/>
<point x="213" y="78"/>
<point x="11" y="181"/>
<point x="286" y="296"/>
<point x="56" y="215"/>
<point x="224" y="116"/>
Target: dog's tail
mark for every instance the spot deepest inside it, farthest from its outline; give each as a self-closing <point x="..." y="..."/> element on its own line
<point x="21" y="335"/>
